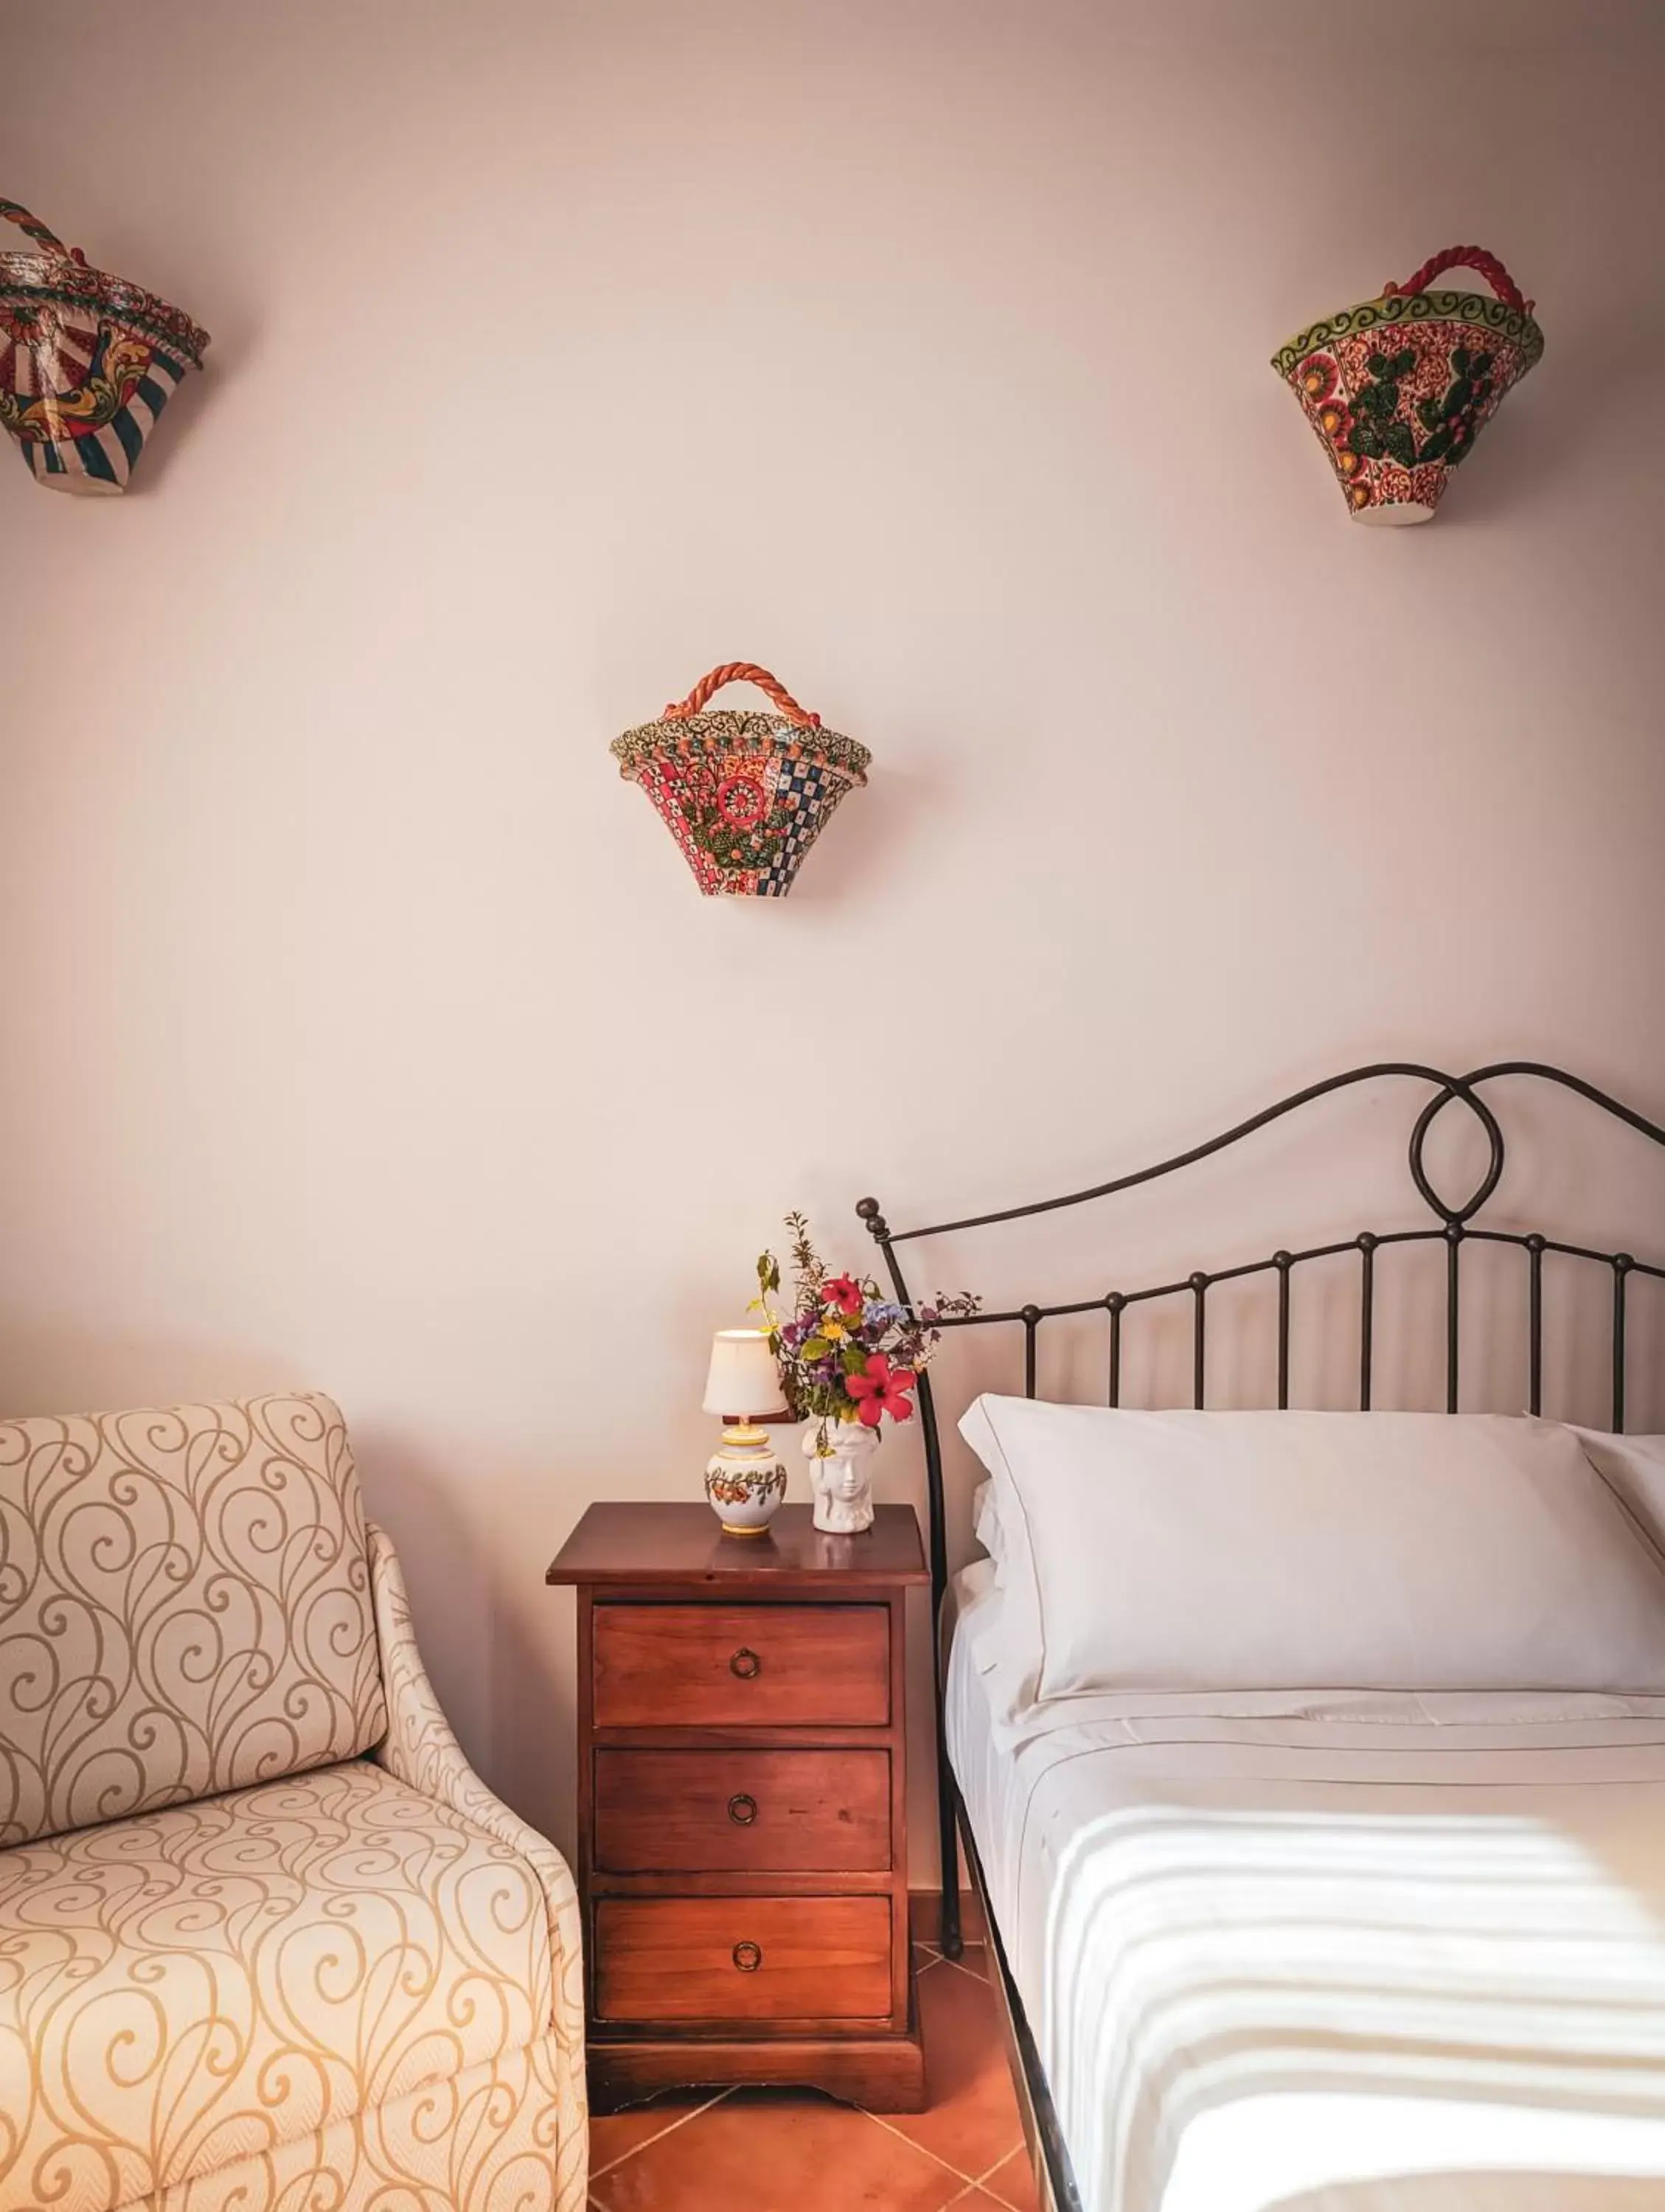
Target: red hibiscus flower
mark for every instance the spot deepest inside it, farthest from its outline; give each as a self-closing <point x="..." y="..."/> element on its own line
<point x="881" y="1389"/>
<point x="843" y="1292"/>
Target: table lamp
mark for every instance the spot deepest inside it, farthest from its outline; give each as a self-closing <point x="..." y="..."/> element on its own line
<point x="744" y="1479"/>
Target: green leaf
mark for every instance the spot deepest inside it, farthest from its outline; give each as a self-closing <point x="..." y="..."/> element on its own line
<point x="854" y="1361"/>
<point x="1401" y="441"/>
<point x="816" y="1348"/>
<point x="1366" y="441"/>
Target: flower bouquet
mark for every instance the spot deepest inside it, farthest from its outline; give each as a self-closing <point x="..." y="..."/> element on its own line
<point x="848" y="1359"/>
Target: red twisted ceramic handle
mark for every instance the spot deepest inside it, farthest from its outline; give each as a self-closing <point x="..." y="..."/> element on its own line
<point x="1465" y="256"/>
<point x="741" y="671"/>
<point x="33" y="227"/>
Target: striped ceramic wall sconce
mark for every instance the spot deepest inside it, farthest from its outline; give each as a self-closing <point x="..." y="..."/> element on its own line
<point x="88" y="361"/>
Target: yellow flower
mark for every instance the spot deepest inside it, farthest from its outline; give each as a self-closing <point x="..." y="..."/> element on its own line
<point x="835" y="1329"/>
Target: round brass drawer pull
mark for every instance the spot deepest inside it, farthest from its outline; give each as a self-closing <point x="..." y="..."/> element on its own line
<point x="745" y="1664"/>
<point x="742" y="1809"/>
<point x="748" y="1958"/>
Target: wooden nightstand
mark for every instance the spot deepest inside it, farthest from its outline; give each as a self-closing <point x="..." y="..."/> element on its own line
<point x="743" y="1846"/>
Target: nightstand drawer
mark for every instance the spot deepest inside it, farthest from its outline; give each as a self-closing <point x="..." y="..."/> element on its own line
<point x="742" y="1811"/>
<point x="741" y="1958"/>
<point x="739" y="1666"/>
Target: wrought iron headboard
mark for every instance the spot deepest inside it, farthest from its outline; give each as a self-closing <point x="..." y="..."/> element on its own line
<point x="1455" y="1227"/>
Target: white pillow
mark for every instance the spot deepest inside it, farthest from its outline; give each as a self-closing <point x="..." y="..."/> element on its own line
<point x="986" y="1522"/>
<point x="1634" y="1469"/>
<point x="1186" y="1551"/>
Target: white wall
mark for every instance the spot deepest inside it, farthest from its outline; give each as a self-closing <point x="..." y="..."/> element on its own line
<point x="362" y="1028"/>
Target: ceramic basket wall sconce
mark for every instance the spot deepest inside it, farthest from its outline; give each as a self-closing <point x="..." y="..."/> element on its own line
<point x="1399" y="387"/>
<point x="744" y="795"/>
<point x="88" y="361"/>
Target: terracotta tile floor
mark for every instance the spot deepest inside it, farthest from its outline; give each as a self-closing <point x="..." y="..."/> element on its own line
<point x="783" y="2150"/>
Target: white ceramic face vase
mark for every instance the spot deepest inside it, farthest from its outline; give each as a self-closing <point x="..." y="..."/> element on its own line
<point x="841" y="1471"/>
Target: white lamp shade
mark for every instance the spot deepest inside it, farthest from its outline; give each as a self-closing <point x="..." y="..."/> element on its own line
<point x="743" y="1380"/>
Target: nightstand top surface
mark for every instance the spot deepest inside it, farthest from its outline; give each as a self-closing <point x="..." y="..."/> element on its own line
<point x="640" y="1542"/>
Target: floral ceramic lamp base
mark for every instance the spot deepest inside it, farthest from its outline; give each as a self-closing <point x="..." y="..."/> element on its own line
<point x="745" y="1482"/>
<point x="839" y="1455"/>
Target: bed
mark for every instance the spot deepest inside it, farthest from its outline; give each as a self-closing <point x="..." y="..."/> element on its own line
<point x="1270" y="1940"/>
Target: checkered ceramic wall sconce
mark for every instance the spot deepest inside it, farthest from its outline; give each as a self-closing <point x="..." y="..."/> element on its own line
<point x="88" y="361"/>
<point x="1399" y="387"/>
<point x="744" y="795"/>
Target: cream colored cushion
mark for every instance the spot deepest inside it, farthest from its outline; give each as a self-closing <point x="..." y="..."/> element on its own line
<point x="184" y="1607"/>
<point x="197" y="1987"/>
<point x="487" y="2141"/>
<point x="1270" y="1551"/>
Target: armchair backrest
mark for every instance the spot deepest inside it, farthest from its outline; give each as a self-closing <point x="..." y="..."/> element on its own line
<point x="185" y="1608"/>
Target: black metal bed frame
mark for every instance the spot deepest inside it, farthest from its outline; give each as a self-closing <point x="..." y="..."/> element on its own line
<point x="1455" y="1227"/>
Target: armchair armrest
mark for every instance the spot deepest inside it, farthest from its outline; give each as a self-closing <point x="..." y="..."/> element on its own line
<point x="421" y="1750"/>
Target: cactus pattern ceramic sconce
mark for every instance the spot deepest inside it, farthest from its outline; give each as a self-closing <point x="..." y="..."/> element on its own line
<point x="1399" y="387"/>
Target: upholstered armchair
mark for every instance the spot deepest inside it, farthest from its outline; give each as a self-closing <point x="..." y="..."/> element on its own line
<point x="267" y="1944"/>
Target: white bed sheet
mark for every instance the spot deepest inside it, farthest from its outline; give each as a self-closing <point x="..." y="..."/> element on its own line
<point x="1379" y="1955"/>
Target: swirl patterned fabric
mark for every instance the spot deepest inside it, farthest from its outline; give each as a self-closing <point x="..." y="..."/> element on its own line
<point x="421" y="1751"/>
<point x="190" y="1988"/>
<point x="486" y="2141"/>
<point x="185" y="1608"/>
<point x="355" y="1989"/>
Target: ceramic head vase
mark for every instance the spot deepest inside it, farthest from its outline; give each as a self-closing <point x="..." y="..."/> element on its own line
<point x="840" y="1454"/>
